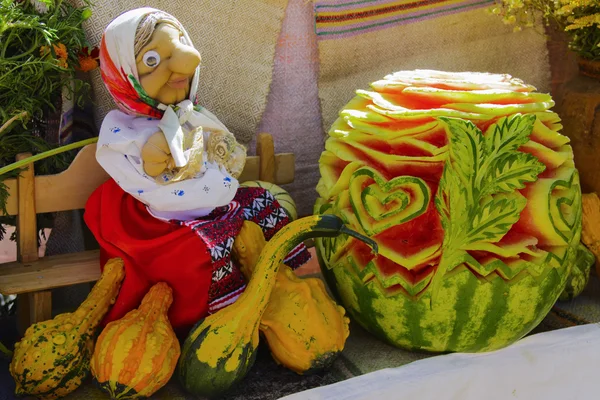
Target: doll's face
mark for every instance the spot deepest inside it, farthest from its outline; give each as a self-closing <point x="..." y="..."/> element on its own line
<point x="166" y="65"/>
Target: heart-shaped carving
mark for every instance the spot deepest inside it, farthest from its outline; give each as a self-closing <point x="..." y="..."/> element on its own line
<point x="565" y="206"/>
<point x="553" y="211"/>
<point x="380" y="204"/>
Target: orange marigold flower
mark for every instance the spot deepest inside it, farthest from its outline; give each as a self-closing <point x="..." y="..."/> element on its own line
<point x="87" y="64"/>
<point x="61" y="51"/>
<point x="88" y="59"/>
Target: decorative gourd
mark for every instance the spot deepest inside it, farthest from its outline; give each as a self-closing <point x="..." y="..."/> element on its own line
<point x="469" y="188"/>
<point x="221" y="348"/>
<point x="579" y="275"/>
<point x="590" y="225"/>
<point x="53" y="357"/>
<point x="137" y="354"/>
<point x="304" y="327"/>
<point x="281" y="195"/>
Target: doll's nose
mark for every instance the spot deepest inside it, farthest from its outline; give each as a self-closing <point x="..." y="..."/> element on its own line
<point x="184" y="60"/>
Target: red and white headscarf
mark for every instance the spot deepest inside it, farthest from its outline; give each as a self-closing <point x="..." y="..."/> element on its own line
<point x="125" y="131"/>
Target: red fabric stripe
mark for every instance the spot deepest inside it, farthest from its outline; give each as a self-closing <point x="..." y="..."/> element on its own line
<point x="295" y="251"/>
<point x="377" y="11"/>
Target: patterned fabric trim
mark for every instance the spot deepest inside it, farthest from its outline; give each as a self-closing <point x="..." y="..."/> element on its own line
<point x="343" y="18"/>
<point x="219" y="229"/>
<point x="226" y="300"/>
<point x="297" y="257"/>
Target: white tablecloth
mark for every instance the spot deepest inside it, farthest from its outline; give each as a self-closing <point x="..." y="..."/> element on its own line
<point x="561" y="364"/>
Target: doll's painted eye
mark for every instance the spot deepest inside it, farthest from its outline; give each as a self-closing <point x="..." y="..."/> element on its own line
<point x="151" y="58"/>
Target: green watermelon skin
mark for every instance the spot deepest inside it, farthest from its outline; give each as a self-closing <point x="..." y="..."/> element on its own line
<point x="472" y="317"/>
<point x="580" y="274"/>
<point x="445" y="281"/>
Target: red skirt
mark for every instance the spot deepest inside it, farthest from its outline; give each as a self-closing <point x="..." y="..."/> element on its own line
<point x="192" y="257"/>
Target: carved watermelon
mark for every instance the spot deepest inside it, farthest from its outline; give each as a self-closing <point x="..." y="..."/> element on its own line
<point x="470" y="191"/>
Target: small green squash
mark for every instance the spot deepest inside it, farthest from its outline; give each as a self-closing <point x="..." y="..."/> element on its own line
<point x="53" y="357"/>
<point x="221" y="348"/>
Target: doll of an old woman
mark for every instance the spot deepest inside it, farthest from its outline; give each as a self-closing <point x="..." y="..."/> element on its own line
<point x="173" y="206"/>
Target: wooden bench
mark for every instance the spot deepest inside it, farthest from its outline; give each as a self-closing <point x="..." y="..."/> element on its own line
<point x="31" y="277"/>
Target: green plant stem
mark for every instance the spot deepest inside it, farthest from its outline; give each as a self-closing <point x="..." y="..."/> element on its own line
<point x="6" y="43"/>
<point x="13" y="119"/>
<point x="4" y="350"/>
<point x="42" y="62"/>
<point x="18" y="56"/>
<point x="46" y="154"/>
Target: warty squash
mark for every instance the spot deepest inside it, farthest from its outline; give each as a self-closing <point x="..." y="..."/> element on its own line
<point x="304" y="327"/>
<point x="221" y="348"/>
<point x="53" y="357"/>
<point x="137" y="354"/>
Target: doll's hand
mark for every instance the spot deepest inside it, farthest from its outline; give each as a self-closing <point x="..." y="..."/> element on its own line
<point x="156" y="155"/>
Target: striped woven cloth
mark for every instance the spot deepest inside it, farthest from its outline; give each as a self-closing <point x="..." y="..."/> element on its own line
<point x="334" y="19"/>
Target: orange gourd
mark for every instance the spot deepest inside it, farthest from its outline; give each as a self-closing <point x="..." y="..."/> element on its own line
<point x="137" y="355"/>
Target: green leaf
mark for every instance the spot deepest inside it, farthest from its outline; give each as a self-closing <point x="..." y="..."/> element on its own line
<point x="477" y="198"/>
<point x="495" y="217"/>
<point x="451" y="193"/>
<point x="508" y="134"/>
<point x="467" y="149"/>
<point x="442" y="198"/>
<point x="510" y="172"/>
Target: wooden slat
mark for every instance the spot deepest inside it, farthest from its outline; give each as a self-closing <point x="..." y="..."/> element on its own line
<point x="265" y="150"/>
<point x="27" y="243"/>
<point x="70" y="189"/>
<point x="40" y="307"/>
<point x="50" y="272"/>
<point x="285" y="167"/>
<point x="250" y="171"/>
<point x="32" y="307"/>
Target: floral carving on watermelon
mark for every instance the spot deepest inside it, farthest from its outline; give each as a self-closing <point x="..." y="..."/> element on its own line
<point x="448" y="172"/>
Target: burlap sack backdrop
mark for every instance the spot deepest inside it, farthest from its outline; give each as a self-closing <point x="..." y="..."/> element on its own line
<point x="360" y="42"/>
<point x="237" y="42"/>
